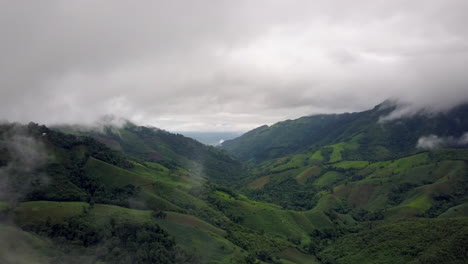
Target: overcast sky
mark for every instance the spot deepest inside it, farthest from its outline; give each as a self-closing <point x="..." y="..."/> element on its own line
<point x="227" y="65"/>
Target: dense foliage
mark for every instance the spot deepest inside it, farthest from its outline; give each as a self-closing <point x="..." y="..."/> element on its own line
<point x="118" y="243"/>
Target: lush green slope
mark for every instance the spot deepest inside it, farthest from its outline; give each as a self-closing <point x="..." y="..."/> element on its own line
<point x="412" y="241"/>
<point x="426" y="184"/>
<point x="91" y="194"/>
<point x="152" y="199"/>
<point x="169" y="150"/>
<point x="352" y="172"/>
<point x="349" y="136"/>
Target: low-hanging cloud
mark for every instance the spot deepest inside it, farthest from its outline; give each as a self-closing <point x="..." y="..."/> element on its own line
<point x="434" y="142"/>
<point x="26" y="156"/>
<point x="227" y="65"/>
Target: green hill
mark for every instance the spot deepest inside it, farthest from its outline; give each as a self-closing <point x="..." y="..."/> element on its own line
<point x="169" y="150"/>
<point x="91" y="194"/>
<point x="349" y="136"/>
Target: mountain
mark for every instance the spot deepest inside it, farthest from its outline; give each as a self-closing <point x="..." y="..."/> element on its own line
<point x="150" y="144"/>
<point x="68" y="198"/>
<point x="354" y="163"/>
<point x="353" y="168"/>
<point x="344" y="188"/>
<point x="362" y="135"/>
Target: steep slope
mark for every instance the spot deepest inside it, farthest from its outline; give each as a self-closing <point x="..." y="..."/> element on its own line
<point x="413" y="241"/>
<point x="361" y="135"/>
<point x="93" y="204"/>
<point x="358" y="174"/>
<point x="150" y="144"/>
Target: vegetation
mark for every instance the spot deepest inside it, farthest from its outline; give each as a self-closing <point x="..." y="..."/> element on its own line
<point x="320" y="189"/>
<point x="409" y="241"/>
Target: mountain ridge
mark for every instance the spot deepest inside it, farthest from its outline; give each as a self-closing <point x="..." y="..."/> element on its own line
<point x="314" y="132"/>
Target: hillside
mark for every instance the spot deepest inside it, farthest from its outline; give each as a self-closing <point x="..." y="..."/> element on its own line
<point x="356" y="136"/>
<point x="354" y="170"/>
<point x="149" y="144"/>
<point x="134" y="194"/>
<point x="81" y="202"/>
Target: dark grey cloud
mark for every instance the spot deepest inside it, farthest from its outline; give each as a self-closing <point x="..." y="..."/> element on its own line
<point x="227" y="65"/>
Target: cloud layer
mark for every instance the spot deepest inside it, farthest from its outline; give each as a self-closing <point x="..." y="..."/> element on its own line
<point x="227" y="65"/>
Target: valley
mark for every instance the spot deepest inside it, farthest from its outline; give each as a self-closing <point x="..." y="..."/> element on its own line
<point x="320" y="189"/>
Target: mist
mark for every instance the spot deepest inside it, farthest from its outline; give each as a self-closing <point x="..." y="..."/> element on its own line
<point x="26" y="157"/>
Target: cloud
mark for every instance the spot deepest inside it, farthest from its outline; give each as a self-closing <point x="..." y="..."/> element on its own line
<point x="26" y="156"/>
<point x="430" y="142"/>
<point x="199" y="65"/>
<point x="433" y="141"/>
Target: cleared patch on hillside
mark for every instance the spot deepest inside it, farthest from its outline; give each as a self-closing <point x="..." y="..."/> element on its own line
<point x="259" y="183"/>
<point x="307" y="174"/>
<point x="360" y="195"/>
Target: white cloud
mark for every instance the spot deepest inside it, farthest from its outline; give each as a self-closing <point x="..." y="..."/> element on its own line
<point x="185" y="65"/>
<point x="433" y="141"/>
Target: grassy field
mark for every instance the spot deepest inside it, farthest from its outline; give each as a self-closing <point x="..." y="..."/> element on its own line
<point x="190" y="232"/>
<point x="259" y="183"/>
<point x="116" y="177"/>
<point x="39" y="211"/>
